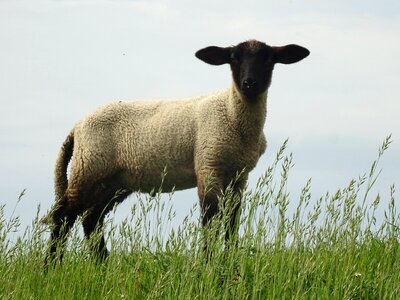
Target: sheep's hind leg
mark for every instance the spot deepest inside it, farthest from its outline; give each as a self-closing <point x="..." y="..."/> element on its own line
<point x="63" y="217"/>
<point x="93" y="229"/>
<point x="94" y="218"/>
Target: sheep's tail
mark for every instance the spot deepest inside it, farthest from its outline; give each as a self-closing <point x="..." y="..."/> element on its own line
<point x="60" y="172"/>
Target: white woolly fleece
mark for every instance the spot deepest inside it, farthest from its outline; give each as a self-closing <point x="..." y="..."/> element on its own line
<point x="130" y="144"/>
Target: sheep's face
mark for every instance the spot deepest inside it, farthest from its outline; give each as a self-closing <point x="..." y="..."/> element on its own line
<point x="252" y="63"/>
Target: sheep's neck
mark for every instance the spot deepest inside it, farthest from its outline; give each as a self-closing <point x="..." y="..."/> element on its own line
<point x="248" y="117"/>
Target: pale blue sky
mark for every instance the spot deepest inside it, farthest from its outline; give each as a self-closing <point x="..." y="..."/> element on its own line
<point x="61" y="59"/>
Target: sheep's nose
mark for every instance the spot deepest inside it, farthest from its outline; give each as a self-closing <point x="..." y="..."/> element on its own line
<point x="249" y="84"/>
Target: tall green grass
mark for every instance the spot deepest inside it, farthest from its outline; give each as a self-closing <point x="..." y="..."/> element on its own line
<point x="332" y="247"/>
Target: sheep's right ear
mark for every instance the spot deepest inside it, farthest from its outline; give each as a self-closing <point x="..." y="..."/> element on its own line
<point x="290" y="54"/>
<point x="215" y="55"/>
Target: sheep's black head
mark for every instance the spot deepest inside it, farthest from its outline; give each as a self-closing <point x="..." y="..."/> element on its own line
<point x="252" y="63"/>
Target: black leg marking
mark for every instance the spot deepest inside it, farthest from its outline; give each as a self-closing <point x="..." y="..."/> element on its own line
<point x="63" y="219"/>
<point x="233" y="211"/>
<point x="93" y="221"/>
<point x="93" y="227"/>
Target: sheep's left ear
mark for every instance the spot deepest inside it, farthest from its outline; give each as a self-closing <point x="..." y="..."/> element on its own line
<point x="215" y="55"/>
<point x="289" y="54"/>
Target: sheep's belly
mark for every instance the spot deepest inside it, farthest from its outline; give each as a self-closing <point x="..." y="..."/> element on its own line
<point x="156" y="178"/>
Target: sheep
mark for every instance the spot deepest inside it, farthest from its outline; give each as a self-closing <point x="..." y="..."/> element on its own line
<point x="124" y="147"/>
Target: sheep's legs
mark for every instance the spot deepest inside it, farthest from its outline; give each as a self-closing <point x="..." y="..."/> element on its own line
<point x="93" y="225"/>
<point x="63" y="220"/>
<point x="209" y="209"/>
<point x="208" y="201"/>
<point x="94" y="219"/>
<point x="231" y="225"/>
<point x="209" y="198"/>
<point x="233" y="210"/>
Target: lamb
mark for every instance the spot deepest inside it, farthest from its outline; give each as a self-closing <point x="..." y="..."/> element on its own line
<point x="124" y="147"/>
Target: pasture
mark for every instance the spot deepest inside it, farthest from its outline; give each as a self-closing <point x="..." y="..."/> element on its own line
<point x="332" y="247"/>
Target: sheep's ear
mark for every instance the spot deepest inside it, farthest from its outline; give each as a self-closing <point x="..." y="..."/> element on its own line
<point x="289" y="54"/>
<point x="215" y="55"/>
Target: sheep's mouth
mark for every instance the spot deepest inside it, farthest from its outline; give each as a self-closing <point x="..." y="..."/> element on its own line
<point x="250" y="88"/>
<point x="250" y="94"/>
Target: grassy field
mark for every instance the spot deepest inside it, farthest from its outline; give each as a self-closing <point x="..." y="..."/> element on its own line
<point x="329" y="248"/>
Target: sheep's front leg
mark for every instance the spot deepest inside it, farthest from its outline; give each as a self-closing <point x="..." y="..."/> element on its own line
<point x="232" y="208"/>
<point x="211" y="191"/>
<point x="208" y="196"/>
